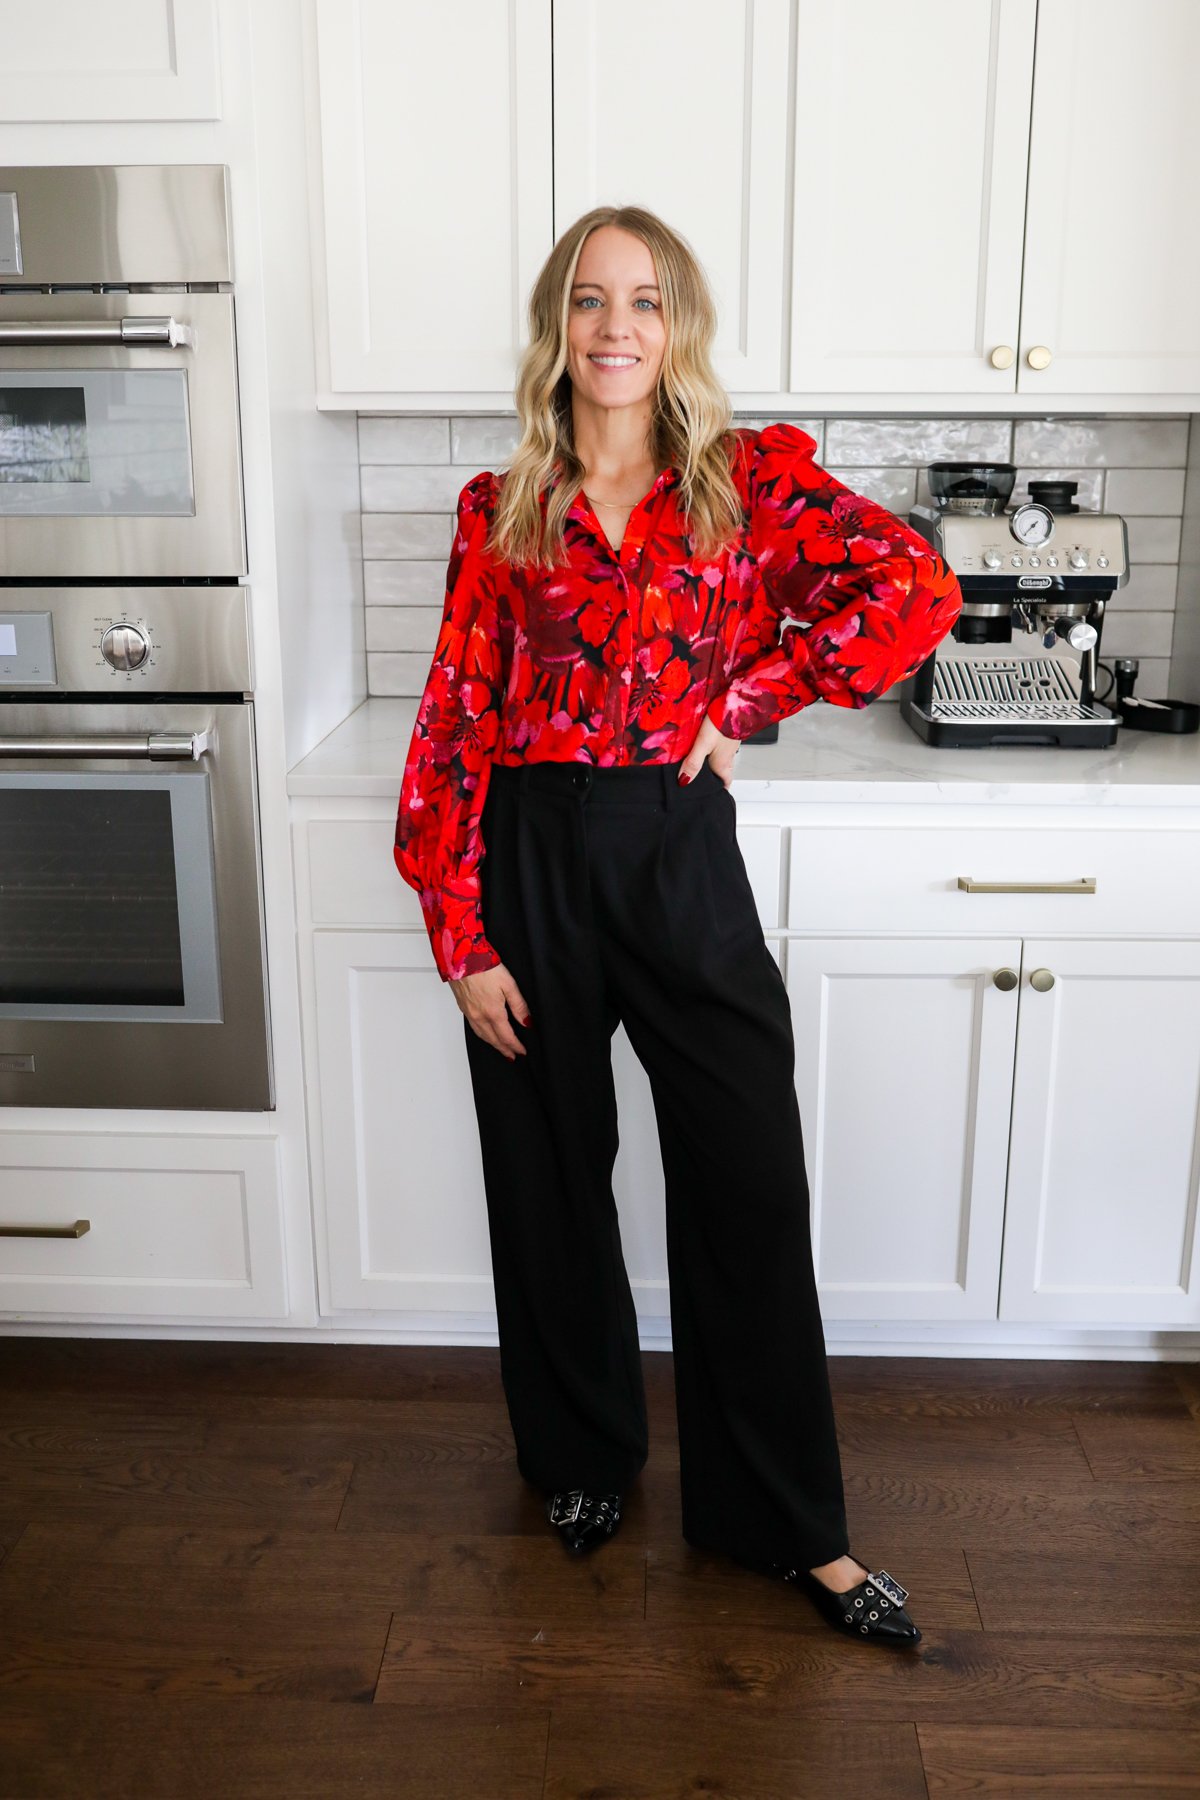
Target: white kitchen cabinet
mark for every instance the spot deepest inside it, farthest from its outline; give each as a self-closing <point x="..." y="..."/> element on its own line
<point x="1104" y="1162"/>
<point x="919" y="1080"/>
<point x="397" y="1177"/>
<point x="950" y="188"/>
<point x="403" y="1225"/>
<point x="708" y="153"/>
<point x="908" y="201"/>
<point x="166" y="1227"/>
<point x="436" y="164"/>
<point x="987" y="183"/>
<point x="71" y="60"/>
<point x="904" y="1056"/>
<point x="981" y="1153"/>
<point x="1112" y="254"/>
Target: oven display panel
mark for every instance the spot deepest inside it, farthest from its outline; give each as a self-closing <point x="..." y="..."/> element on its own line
<point x="27" y="650"/>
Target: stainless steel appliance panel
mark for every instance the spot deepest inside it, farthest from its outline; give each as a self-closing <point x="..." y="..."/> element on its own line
<point x="117" y="987"/>
<point x="123" y="222"/>
<point x="120" y="452"/>
<point x="53" y="640"/>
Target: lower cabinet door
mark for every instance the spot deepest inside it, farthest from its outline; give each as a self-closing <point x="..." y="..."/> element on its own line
<point x="397" y="1174"/>
<point x="904" y="1057"/>
<point x="1104" y="1162"/>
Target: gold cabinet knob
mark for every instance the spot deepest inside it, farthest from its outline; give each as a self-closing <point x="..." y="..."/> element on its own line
<point x="1042" y="980"/>
<point x="1002" y="356"/>
<point x="1005" y="980"/>
<point x="1039" y="357"/>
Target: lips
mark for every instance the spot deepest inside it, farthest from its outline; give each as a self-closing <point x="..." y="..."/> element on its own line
<point x="614" y="361"/>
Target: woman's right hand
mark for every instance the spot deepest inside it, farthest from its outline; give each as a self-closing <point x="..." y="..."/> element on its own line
<point x="484" y="999"/>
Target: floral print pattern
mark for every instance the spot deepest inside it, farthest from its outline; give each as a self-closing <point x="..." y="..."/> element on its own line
<point x="822" y="595"/>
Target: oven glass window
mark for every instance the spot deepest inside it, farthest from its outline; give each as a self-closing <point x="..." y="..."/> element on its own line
<point x="89" y="909"/>
<point x="92" y="442"/>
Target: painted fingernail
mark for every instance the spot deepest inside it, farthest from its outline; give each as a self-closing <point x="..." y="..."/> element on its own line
<point x="683" y="780"/>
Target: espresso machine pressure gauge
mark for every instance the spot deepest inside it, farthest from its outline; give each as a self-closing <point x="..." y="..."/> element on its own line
<point x="1032" y="524"/>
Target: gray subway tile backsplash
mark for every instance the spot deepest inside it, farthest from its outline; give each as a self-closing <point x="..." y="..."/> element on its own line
<point x="413" y="468"/>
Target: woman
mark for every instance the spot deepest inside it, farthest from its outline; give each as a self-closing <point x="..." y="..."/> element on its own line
<point x="611" y="631"/>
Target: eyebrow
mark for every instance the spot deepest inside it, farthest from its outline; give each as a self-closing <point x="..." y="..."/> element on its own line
<point x="597" y="284"/>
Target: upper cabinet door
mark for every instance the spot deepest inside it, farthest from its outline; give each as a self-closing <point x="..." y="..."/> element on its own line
<point x="909" y="195"/>
<point x="126" y="60"/>
<point x="686" y="113"/>
<point x="1112" y="253"/>
<point x="436" y="170"/>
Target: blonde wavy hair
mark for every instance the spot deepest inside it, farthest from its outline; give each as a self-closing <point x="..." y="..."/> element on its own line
<point x="691" y="423"/>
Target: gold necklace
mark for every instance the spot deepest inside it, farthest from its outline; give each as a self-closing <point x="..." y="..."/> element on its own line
<point x="594" y="502"/>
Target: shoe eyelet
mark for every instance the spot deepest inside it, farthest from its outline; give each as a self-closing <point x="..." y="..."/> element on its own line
<point x="858" y="1603"/>
<point x="863" y="1629"/>
<point x="874" y="1615"/>
<point x="849" y="1618"/>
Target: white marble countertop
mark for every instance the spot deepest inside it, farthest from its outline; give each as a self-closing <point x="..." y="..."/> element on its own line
<point x="830" y="753"/>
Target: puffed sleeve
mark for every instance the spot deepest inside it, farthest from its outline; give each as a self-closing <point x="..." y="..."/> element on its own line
<point x="439" y="846"/>
<point x="868" y="597"/>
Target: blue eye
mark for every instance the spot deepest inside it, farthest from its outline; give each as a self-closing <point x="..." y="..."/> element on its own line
<point x="643" y="300"/>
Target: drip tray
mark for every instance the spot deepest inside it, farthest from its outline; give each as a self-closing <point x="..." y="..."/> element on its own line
<point x="1007" y="687"/>
<point x="1008" y="700"/>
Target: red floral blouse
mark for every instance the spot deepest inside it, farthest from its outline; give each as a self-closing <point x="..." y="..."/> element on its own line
<point x="617" y="658"/>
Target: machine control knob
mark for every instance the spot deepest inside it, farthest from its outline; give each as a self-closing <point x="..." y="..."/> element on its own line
<point x="1102" y="561"/>
<point x="991" y="559"/>
<point x="1078" y="559"/>
<point x="124" y="646"/>
<point x="1005" y="980"/>
<point x="1082" y="636"/>
<point x="1042" y="980"/>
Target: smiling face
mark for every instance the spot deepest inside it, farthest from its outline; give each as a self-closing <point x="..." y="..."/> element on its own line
<point x="616" y="335"/>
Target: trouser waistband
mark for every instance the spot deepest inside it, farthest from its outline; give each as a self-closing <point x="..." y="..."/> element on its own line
<point x="600" y="783"/>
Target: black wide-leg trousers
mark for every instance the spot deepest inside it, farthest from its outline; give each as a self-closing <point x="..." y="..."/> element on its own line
<point x="614" y="895"/>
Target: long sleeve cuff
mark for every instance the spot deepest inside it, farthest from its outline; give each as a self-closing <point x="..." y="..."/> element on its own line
<point x="456" y="934"/>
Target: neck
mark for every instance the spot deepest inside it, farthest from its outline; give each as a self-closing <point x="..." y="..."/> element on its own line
<point x="613" y="444"/>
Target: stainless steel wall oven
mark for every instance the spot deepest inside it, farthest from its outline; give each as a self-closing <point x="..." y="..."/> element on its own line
<point x="132" y="949"/>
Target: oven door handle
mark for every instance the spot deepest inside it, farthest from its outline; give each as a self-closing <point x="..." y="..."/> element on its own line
<point x="132" y="332"/>
<point x="166" y="746"/>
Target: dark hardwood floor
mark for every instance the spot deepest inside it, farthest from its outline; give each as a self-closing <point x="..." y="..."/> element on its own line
<point x="241" y="1571"/>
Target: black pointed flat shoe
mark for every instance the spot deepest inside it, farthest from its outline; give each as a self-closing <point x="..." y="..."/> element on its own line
<point x="874" y="1608"/>
<point x="585" y="1520"/>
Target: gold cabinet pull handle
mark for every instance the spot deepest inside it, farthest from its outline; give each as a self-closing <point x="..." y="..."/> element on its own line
<point x="1005" y="980"/>
<point x="1039" y="357"/>
<point x="1042" y="979"/>
<point x="71" y="1231"/>
<point x="1086" y="884"/>
<point x="1002" y="356"/>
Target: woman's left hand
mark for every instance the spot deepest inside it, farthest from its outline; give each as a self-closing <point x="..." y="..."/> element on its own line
<point x="710" y="745"/>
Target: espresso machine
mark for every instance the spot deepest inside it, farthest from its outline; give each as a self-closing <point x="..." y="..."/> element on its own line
<point x="1020" y="664"/>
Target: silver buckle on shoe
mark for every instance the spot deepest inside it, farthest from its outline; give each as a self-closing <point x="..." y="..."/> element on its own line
<point x="559" y="1516"/>
<point x="892" y="1589"/>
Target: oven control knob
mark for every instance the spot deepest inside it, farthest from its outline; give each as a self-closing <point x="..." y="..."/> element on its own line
<point x="124" y="646"/>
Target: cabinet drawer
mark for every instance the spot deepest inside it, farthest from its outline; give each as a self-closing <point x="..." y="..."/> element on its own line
<point x="905" y="878"/>
<point x="353" y="879"/>
<point x="177" y="1227"/>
